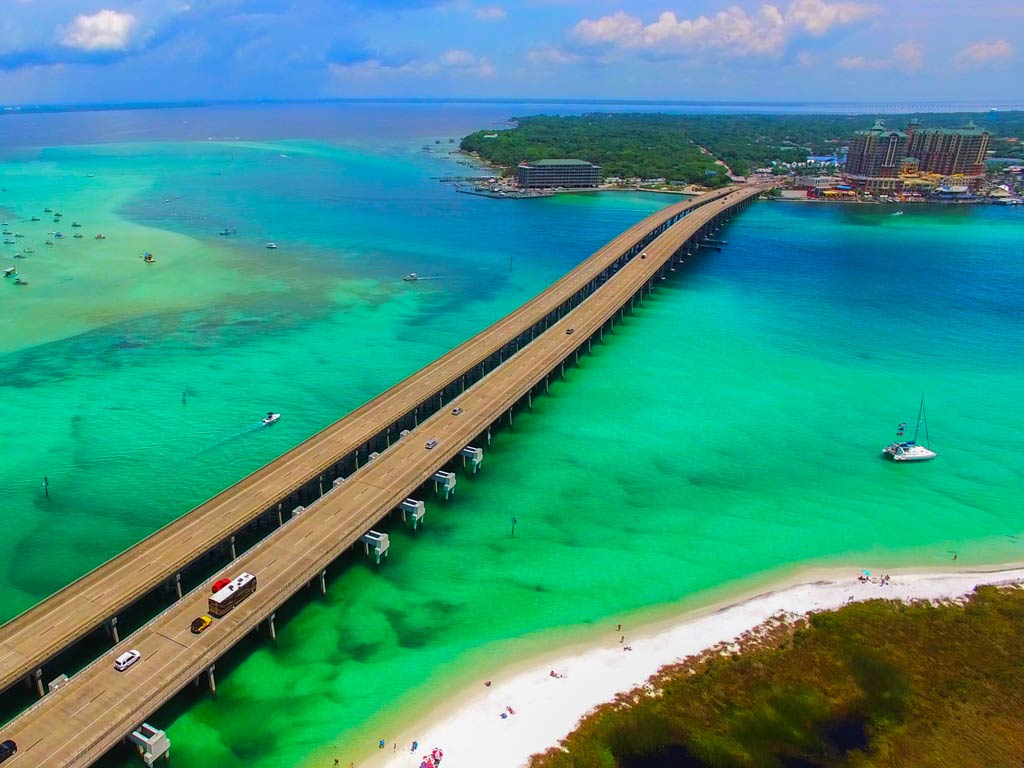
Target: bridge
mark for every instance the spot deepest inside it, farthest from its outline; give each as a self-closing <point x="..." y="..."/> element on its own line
<point x="378" y="450"/>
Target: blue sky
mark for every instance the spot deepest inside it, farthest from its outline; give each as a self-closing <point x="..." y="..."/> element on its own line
<point x="156" y="50"/>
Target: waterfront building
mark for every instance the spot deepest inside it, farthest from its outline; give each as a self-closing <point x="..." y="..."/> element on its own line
<point x="558" y="173"/>
<point x="874" y="160"/>
<point x="949" y="151"/>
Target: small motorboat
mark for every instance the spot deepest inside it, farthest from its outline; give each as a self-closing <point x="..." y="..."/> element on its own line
<point x="412" y="277"/>
<point x="148" y="257"/>
<point x="47" y="210"/>
<point x="272" y="246"/>
<point x="75" y="224"/>
<point x="11" y="272"/>
<point x="898" y="213"/>
<point x="58" y="235"/>
<point x="35" y="218"/>
<point x="78" y="235"/>
<point x="30" y="250"/>
<point x="18" y="234"/>
<point x="8" y="242"/>
<point x="19" y="281"/>
<point x="101" y="236"/>
<point x="271" y="417"/>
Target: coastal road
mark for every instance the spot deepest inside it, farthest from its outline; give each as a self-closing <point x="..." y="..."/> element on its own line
<point x="99" y="706"/>
<point x="30" y="640"/>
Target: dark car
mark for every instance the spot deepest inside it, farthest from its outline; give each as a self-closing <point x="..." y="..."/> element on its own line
<point x="7" y="749"/>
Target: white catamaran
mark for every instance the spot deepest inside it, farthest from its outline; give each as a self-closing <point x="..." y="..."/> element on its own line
<point x="909" y="450"/>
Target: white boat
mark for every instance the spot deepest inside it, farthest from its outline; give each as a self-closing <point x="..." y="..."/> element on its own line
<point x="272" y="246"/>
<point x="909" y="450"/>
<point x="412" y="277"/>
<point x="898" y="213"/>
<point x="271" y="417"/>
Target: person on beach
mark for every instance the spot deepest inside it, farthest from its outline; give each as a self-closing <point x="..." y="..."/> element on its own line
<point x="415" y="746"/>
<point x="622" y="639"/>
<point x="618" y="627"/>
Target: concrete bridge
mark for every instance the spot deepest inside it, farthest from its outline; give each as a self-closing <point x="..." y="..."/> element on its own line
<point x="343" y="481"/>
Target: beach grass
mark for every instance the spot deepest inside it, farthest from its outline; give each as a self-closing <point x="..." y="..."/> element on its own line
<point x="878" y="683"/>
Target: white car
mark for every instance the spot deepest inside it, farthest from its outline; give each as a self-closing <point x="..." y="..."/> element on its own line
<point x="126" y="659"/>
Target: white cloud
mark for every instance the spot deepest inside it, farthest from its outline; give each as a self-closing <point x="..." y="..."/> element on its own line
<point x="907" y="57"/>
<point x="733" y="31"/>
<point x="454" y="60"/>
<point x="491" y="13"/>
<point x="105" y="30"/>
<point x="981" y="53"/>
<point x="549" y="54"/>
<point x="459" y="60"/>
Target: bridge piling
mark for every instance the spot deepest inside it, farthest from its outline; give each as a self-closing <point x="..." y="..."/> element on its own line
<point x="323" y="582"/>
<point x="37" y="676"/>
<point x="211" y="679"/>
<point x="177" y="584"/>
<point x="112" y="628"/>
<point x="280" y="517"/>
<point x="234" y="552"/>
<point x="271" y="627"/>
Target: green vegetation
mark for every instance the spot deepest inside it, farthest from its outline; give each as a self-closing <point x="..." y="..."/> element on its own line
<point x="669" y="146"/>
<point x="873" y="684"/>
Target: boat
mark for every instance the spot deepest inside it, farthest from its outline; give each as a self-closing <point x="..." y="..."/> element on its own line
<point x="412" y="277"/>
<point x="101" y="236"/>
<point x="272" y="246"/>
<point x="19" y="281"/>
<point x="148" y="257"/>
<point x="898" y="213"/>
<point x="8" y="242"/>
<point x="10" y="272"/>
<point x="75" y="224"/>
<point x="47" y="210"/>
<point x="30" y="250"/>
<point x="35" y="218"/>
<point x="271" y="417"/>
<point x="909" y="450"/>
<point x="78" y="235"/>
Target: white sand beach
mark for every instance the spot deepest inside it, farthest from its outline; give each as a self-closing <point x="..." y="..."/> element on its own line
<point x="471" y="729"/>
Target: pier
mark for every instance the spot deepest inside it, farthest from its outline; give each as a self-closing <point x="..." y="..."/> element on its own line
<point x="453" y="403"/>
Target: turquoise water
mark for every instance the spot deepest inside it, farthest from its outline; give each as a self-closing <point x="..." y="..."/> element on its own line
<point x="728" y="431"/>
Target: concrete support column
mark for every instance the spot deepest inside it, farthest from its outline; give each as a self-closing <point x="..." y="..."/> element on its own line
<point x="177" y="584"/>
<point x="323" y="582"/>
<point x="488" y="435"/>
<point x="211" y="679"/>
<point x="280" y="517"/>
<point x="234" y="552"/>
<point x="547" y="384"/>
<point x="321" y="485"/>
<point x="561" y="370"/>
<point x="37" y="677"/>
<point x="271" y="627"/>
<point x="113" y="630"/>
<point x="529" y="399"/>
<point x="510" y="417"/>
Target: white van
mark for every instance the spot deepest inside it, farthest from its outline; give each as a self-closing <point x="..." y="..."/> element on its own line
<point x="126" y="659"/>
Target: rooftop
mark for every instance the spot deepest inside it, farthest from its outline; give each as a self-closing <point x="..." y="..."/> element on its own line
<point x="556" y="162"/>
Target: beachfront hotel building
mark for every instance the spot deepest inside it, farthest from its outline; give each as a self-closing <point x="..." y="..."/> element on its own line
<point x="558" y="173"/>
<point x="874" y="160"/>
<point x="948" y="151"/>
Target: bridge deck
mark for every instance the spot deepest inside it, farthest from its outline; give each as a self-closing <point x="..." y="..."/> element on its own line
<point x="34" y="637"/>
<point x="76" y="725"/>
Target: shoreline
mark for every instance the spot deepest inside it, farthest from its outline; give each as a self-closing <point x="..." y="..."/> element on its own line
<point x="469" y="728"/>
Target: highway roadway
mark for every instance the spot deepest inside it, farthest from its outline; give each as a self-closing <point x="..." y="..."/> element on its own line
<point x="28" y="641"/>
<point x="99" y="706"/>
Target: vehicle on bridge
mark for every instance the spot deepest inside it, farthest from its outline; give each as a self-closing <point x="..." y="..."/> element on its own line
<point x="226" y="598"/>
<point x="219" y="584"/>
<point x="199" y="625"/>
<point x="126" y="659"/>
<point x="7" y="749"/>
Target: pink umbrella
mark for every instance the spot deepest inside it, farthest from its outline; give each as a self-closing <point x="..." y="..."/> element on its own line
<point x="437" y="754"/>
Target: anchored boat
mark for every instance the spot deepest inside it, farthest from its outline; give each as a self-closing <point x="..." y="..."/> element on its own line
<point x="909" y="450"/>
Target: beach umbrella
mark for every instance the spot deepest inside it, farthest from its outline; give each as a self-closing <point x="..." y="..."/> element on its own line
<point x="437" y="754"/>
<point x="866" y="573"/>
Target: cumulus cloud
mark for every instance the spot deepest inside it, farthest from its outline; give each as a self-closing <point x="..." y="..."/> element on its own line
<point x="105" y="30"/>
<point x="733" y="31"/>
<point x="981" y="53"/>
<point x="907" y="56"/>
<point x="491" y="13"/>
<point x="549" y="54"/>
<point x="453" y="61"/>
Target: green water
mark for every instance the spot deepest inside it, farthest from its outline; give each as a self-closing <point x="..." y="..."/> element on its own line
<point x="729" y="430"/>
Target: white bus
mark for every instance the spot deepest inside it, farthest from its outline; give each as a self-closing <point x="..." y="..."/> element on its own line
<point x="227" y="597"/>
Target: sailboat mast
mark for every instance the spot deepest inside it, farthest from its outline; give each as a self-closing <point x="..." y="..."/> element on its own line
<point x="920" y="413"/>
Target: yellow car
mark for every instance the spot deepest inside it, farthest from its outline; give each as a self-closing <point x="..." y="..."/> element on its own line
<point x="200" y="624"/>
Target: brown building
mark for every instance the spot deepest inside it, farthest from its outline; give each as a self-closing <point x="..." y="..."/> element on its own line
<point x="873" y="162"/>
<point x="948" y="151"/>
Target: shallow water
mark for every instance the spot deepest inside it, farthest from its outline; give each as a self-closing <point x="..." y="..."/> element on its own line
<point x="729" y="429"/>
